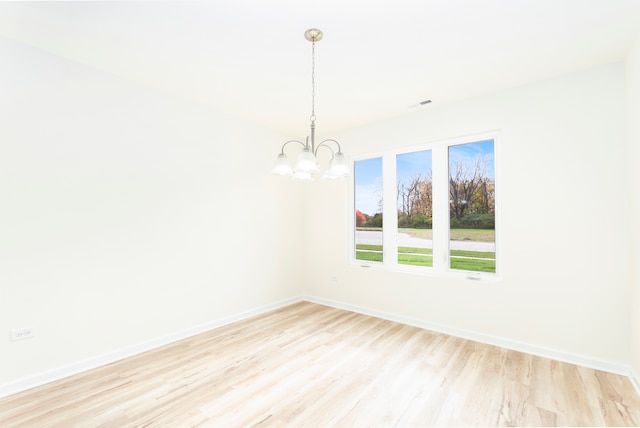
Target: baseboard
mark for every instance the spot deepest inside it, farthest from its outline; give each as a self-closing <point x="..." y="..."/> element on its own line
<point x="634" y="377"/>
<point x="110" y="357"/>
<point x="554" y="354"/>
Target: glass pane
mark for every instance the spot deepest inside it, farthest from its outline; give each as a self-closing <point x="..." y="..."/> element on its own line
<point x="414" y="200"/>
<point x="368" y="204"/>
<point x="472" y="234"/>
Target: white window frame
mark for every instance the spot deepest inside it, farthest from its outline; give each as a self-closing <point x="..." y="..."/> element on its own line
<point x="440" y="173"/>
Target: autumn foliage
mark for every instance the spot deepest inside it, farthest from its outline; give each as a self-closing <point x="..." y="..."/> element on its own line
<point x="360" y="219"/>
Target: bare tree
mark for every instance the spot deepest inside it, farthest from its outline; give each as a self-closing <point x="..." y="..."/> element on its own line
<point x="409" y="194"/>
<point x="484" y="200"/>
<point x="469" y="187"/>
<point x="415" y="195"/>
<point x="424" y="200"/>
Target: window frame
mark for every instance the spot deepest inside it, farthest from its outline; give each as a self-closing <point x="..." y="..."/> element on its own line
<point x="440" y="214"/>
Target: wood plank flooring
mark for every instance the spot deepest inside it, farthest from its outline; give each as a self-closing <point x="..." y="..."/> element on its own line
<point x="311" y="365"/>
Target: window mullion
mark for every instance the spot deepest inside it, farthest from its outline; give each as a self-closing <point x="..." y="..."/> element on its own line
<point x="390" y="211"/>
<point x="440" y="208"/>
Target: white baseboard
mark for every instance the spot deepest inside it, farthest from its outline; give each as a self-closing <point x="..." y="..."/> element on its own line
<point x="554" y="354"/>
<point x="110" y="357"/>
<point x="634" y="377"/>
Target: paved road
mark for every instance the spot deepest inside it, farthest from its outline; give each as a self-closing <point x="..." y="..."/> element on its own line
<point x="405" y="240"/>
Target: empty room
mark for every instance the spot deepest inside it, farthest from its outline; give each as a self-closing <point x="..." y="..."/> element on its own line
<point x="337" y="213"/>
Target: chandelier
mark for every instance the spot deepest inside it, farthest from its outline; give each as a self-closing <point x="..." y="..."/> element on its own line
<point x="307" y="163"/>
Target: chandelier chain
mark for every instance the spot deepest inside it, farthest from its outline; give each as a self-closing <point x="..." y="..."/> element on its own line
<point x="313" y="81"/>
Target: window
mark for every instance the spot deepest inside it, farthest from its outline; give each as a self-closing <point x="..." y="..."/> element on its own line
<point x="368" y="214"/>
<point x="414" y="192"/>
<point x="439" y="206"/>
<point x="472" y="234"/>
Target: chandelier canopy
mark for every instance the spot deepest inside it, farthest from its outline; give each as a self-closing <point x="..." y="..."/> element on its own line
<point x="307" y="164"/>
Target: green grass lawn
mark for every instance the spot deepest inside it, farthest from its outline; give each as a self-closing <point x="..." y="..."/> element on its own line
<point x="413" y="250"/>
<point x="368" y="247"/>
<point x="369" y="256"/>
<point x="475" y="254"/>
<point x="478" y="235"/>
<point x="415" y="260"/>
<point x="473" y="265"/>
<point x="417" y="233"/>
<point x="477" y="261"/>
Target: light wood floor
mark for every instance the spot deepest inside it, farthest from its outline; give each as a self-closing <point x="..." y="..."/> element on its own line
<point x="310" y="365"/>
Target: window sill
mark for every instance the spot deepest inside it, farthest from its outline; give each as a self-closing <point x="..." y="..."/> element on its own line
<point x="429" y="272"/>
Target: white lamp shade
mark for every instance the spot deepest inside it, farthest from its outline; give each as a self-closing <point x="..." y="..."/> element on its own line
<point x="338" y="167"/>
<point x="306" y="163"/>
<point x="329" y="176"/>
<point x="304" y="176"/>
<point x="283" y="166"/>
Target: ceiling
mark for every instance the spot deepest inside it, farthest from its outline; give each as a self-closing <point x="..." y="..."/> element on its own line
<point x="378" y="59"/>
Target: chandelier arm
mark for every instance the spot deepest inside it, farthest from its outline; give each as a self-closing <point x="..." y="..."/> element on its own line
<point x="324" y="143"/>
<point x="326" y="147"/>
<point x="292" y="141"/>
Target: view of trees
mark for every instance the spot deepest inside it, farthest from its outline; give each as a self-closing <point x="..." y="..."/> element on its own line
<point x="471" y="195"/>
<point x="369" y="220"/>
<point x="415" y="202"/>
<point x="471" y="199"/>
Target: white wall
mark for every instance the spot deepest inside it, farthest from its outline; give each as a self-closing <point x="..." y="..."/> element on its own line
<point x="564" y="221"/>
<point x="127" y="215"/>
<point x="633" y="78"/>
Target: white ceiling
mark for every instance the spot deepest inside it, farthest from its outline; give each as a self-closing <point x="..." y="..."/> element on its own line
<point x="378" y="59"/>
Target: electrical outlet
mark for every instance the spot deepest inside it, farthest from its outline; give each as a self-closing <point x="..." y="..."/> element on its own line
<point x="22" y="333"/>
